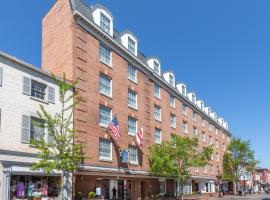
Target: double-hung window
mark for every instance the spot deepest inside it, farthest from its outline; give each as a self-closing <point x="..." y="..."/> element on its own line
<point x="105" y="149"/>
<point x="157" y="113"/>
<point x="133" y="154"/>
<point x="171" y="79"/>
<point x="156" y="67"/>
<point x="131" y="45"/>
<point x="195" y="132"/>
<point x="38" y="90"/>
<point x="132" y="126"/>
<point x="105" y="23"/>
<point x="184" y="109"/>
<point x="156" y="90"/>
<point x="210" y="140"/>
<point x="217" y="144"/>
<point x="194" y="115"/>
<point x="1" y="76"/>
<point x="172" y="121"/>
<point x="105" y="115"/>
<point x="217" y="157"/>
<point x="104" y="54"/>
<point x="158" y="137"/>
<point x="105" y="85"/>
<point x="185" y="127"/>
<point x="132" y="73"/>
<point x="172" y="101"/>
<point x="203" y="137"/>
<point x="132" y="99"/>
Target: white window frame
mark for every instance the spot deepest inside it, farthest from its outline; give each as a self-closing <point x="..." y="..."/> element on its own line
<point x="203" y="137"/>
<point x="103" y="25"/>
<point x="210" y="140"/>
<point x="158" y="87"/>
<point x="136" y="124"/>
<point x="156" y="67"/>
<point x="195" y="132"/>
<point x="137" y="156"/>
<point x="131" y="67"/>
<point x="131" y="48"/>
<point x="105" y="158"/>
<point x="159" y="108"/>
<point x="158" y="130"/>
<point x="101" y="59"/>
<point x="101" y="124"/>
<point x="194" y="116"/>
<point x="110" y="79"/>
<point x="173" y="123"/>
<point x="185" y="127"/>
<point x="184" y="109"/>
<point x="136" y="100"/>
<point x="172" y="101"/>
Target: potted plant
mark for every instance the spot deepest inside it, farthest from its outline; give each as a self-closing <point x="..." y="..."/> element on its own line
<point x="91" y="195"/>
<point x="78" y="196"/>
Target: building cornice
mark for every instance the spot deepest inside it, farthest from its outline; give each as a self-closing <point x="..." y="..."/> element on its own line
<point x="96" y="31"/>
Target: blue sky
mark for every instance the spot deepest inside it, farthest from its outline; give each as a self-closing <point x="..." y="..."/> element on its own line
<point x="220" y="49"/>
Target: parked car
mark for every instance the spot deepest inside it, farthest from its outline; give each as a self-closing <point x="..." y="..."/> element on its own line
<point x="267" y="190"/>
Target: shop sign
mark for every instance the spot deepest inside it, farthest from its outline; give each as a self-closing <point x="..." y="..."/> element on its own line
<point x="124" y="156"/>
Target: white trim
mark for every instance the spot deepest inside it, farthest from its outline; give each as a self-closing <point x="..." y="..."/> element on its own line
<point x="105" y="158"/>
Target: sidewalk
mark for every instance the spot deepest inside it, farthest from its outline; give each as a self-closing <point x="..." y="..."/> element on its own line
<point x="252" y="196"/>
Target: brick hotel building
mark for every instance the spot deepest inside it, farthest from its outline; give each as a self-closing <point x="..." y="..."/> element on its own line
<point x="116" y="78"/>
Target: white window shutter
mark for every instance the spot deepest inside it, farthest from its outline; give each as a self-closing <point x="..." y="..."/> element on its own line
<point x="51" y="94"/>
<point x="1" y="76"/>
<point x="25" y="135"/>
<point x="26" y="85"/>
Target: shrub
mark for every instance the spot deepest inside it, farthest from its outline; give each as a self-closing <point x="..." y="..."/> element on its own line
<point x="91" y="195"/>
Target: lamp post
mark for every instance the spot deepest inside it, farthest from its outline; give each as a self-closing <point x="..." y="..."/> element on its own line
<point x="219" y="177"/>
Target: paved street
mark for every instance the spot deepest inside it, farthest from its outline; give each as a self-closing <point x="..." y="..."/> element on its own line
<point x="257" y="197"/>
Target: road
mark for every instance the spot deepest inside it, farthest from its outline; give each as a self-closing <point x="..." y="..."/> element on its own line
<point x="255" y="197"/>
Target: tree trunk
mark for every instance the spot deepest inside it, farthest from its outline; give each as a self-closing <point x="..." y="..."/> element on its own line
<point x="66" y="190"/>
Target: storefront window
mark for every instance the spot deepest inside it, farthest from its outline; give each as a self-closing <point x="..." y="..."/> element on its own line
<point x="26" y="187"/>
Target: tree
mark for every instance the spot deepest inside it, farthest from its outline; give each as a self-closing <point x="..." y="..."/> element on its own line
<point x="175" y="158"/>
<point x="238" y="160"/>
<point x="59" y="151"/>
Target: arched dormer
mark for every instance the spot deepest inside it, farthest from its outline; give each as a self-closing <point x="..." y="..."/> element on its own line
<point x="192" y="97"/>
<point x="214" y="116"/>
<point x="103" y="18"/>
<point x="221" y="121"/>
<point x="226" y="125"/>
<point x="182" y="88"/>
<point x="130" y="41"/>
<point x="169" y="78"/>
<point x="154" y="64"/>
<point x="200" y="104"/>
<point x="207" y="110"/>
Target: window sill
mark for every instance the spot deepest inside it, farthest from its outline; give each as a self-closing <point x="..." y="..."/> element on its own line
<point x="185" y="114"/>
<point x="158" y="120"/>
<point x="158" y="97"/>
<point x="133" y="108"/>
<point x="133" y="81"/>
<point x="107" y="64"/>
<point x="40" y="100"/>
<point x="103" y="126"/>
<point x="105" y="160"/>
<point x="106" y="95"/>
<point x="134" y="163"/>
<point x="132" y="135"/>
<point x="158" y="142"/>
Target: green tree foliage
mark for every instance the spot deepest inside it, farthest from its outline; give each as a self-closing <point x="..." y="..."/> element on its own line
<point x="173" y="159"/>
<point x="58" y="151"/>
<point x="238" y="159"/>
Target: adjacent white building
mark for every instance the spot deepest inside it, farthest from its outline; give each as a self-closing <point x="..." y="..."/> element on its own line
<point x="23" y="88"/>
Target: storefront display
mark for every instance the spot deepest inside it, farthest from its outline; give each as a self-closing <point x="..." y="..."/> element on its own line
<point x="34" y="187"/>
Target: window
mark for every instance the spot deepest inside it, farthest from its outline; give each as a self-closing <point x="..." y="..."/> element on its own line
<point x="223" y="136"/>
<point x="105" y="115"/>
<point x="133" y="154"/>
<point x="223" y="147"/>
<point x="185" y="127"/>
<point x="195" y="132"/>
<point x="217" y="156"/>
<point x="173" y="137"/>
<point x="105" y="23"/>
<point x="172" y="101"/>
<point x="171" y="79"/>
<point x="132" y="99"/>
<point x="217" y="145"/>
<point x="205" y="169"/>
<point x="172" y="121"/>
<point x="194" y="115"/>
<point x="132" y="126"/>
<point x="212" y="169"/>
<point x="156" y="67"/>
<point x="210" y="140"/>
<point x="196" y="169"/>
<point x="105" y="149"/>
<point x="1" y="76"/>
<point x="203" y="137"/>
<point x="132" y="73"/>
<point x="210" y="127"/>
<point x="183" y="90"/>
<point x="105" y="54"/>
<point x="158" y="136"/>
<point x="131" y="45"/>
<point x="212" y="156"/>
<point x="157" y="113"/>
<point x="105" y="85"/>
<point x="216" y="131"/>
<point x="37" y="131"/>
<point x="184" y="109"/>
<point x="38" y="90"/>
<point x="162" y="186"/>
<point x="203" y="122"/>
<point x="156" y="90"/>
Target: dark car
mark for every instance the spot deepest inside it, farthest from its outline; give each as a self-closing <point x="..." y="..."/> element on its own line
<point x="267" y="190"/>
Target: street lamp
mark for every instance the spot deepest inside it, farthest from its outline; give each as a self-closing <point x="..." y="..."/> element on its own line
<point x="219" y="177"/>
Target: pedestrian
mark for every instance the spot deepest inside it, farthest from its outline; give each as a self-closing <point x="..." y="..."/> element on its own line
<point x="114" y="192"/>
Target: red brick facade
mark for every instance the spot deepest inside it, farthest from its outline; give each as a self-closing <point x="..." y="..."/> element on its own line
<point x="68" y="47"/>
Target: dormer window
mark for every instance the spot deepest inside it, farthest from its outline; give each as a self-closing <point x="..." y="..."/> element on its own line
<point x="156" y="67"/>
<point x="105" y="23"/>
<point x="171" y="79"/>
<point x="193" y="98"/>
<point x="131" y="45"/>
<point x="183" y="90"/>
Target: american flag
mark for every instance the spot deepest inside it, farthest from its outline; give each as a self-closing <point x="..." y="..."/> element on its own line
<point x="114" y="127"/>
<point x="139" y="137"/>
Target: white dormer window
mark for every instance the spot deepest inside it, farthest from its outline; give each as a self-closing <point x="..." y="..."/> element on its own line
<point x="184" y="89"/>
<point x="156" y="67"/>
<point x="105" y="23"/>
<point x="193" y="98"/>
<point x="131" y="45"/>
<point x="171" y="79"/>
